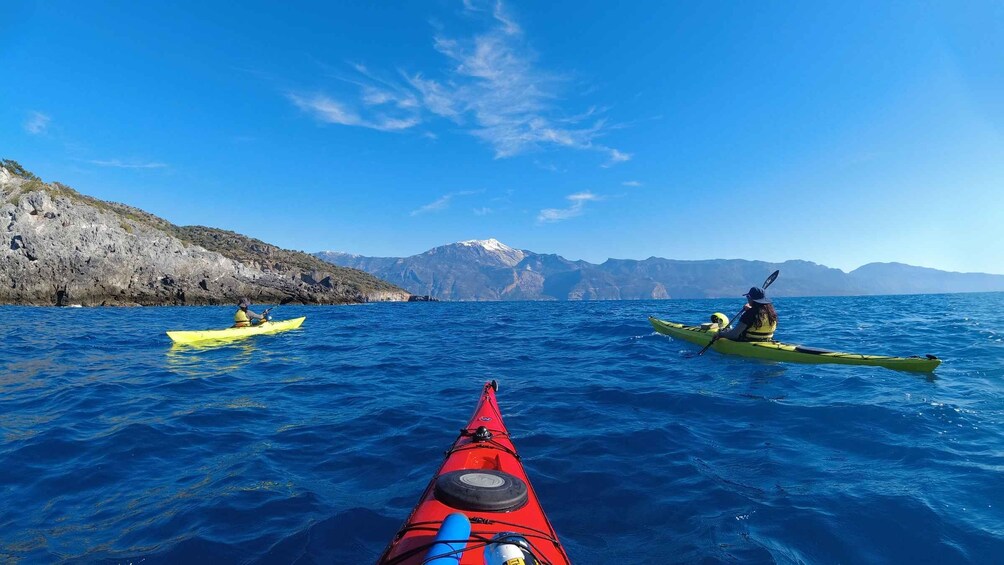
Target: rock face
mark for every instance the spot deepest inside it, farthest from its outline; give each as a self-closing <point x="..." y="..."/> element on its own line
<point x="490" y="270"/>
<point x="61" y="247"/>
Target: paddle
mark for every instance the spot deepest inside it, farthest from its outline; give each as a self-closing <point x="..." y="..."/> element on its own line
<point x="714" y="338"/>
<point x="264" y="315"/>
<point x="286" y="300"/>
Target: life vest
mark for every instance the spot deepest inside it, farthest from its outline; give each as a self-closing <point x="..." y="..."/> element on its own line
<point x="760" y="330"/>
<point x="241" y="319"/>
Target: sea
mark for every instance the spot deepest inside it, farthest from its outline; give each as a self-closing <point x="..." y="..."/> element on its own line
<point x="312" y="446"/>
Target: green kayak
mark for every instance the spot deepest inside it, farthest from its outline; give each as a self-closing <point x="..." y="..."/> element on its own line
<point x="777" y="351"/>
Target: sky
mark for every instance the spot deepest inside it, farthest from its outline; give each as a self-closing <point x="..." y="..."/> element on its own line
<point x="841" y="133"/>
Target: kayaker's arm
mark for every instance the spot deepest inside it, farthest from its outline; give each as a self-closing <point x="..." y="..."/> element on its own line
<point x="735" y="333"/>
<point x="739" y="326"/>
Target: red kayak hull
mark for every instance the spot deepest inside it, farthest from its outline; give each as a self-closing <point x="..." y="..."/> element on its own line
<point x="473" y="453"/>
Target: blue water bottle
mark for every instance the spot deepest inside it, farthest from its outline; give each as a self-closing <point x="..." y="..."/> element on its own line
<point x="451" y="540"/>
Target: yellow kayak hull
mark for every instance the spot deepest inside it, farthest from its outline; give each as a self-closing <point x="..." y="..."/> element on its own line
<point x="777" y="351"/>
<point x="235" y="333"/>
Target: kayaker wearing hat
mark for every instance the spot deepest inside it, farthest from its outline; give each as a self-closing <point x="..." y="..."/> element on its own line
<point x="244" y="316"/>
<point x="758" y="320"/>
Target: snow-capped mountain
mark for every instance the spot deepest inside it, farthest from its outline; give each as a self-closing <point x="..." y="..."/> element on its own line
<point x="491" y="248"/>
<point x="467" y="270"/>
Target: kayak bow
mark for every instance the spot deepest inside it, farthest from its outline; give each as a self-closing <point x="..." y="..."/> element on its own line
<point x="777" y="351"/>
<point x="479" y="507"/>
<point x="235" y="333"/>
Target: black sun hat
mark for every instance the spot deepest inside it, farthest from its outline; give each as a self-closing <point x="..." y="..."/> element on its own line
<point x="757" y="295"/>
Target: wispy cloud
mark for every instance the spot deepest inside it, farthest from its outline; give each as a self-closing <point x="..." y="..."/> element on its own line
<point x="631" y="183"/>
<point x="498" y="95"/>
<point x="441" y="203"/>
<point x="547" y="166"/>
<point x="498" y="12"/>
<point x="491" y="88"/>
<point x="331" y="111"/>
<point x="482" y="211"/>
<point x="37" y="123"/>
<point x="505" y="198"/>
<point x="615" y="157"/>
<point x="577" y="208"/>
<point x="127" y="165"/>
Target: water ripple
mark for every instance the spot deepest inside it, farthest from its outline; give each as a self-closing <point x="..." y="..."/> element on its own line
<point x="312" y="446"/>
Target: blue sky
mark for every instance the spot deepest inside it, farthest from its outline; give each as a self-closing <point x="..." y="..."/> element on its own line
<point x="841" y="133"/>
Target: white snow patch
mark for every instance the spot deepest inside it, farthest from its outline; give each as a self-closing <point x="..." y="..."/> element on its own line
<point x="506" y="254"/>
<point x="491" y="244"/>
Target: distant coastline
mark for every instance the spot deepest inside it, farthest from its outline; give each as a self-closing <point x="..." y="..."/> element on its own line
<point x="66" y="248"/>
<point x="479" y="270"/>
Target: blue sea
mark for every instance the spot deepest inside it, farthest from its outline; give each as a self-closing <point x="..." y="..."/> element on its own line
<point x="312" y="446"/>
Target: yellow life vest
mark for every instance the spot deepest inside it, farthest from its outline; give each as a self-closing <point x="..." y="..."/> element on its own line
<point x="762" y="330"/>
<point x="241" y="319"/>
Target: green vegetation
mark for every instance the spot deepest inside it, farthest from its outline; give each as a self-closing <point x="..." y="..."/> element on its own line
<point x="15" y="168"/>
<point x="244" y="249"/>
<point x="268" y="257"/>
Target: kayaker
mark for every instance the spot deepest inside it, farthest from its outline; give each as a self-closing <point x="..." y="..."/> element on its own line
<point x="758" y="320"/>
<point x="245" y="316"/>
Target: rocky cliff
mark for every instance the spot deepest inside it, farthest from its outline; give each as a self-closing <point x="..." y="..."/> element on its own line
<point x="62" y="247"/>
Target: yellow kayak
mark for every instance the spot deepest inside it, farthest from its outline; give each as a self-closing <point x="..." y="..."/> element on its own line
<point x="235" y="333"/>
<point x="777" y="351"/>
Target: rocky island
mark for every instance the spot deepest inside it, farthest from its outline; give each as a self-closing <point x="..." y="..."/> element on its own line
<point x="61" y="247"/>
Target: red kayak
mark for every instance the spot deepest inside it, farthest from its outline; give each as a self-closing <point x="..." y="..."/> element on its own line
<point x="479" y="508"/>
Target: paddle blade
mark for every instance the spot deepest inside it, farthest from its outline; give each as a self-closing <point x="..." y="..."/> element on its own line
<point x="770" y="279"/>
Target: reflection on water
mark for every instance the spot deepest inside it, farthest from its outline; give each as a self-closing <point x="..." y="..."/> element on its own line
<point x="21" y="374"/>
<point x="207" y="359"/>
<point x="213" y="358"/>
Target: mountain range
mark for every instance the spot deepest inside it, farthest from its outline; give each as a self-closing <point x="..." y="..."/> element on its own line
<point x="490" y="270"/>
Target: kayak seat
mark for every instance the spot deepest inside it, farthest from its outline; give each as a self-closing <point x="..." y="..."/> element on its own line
<point x="481" y="490"/>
